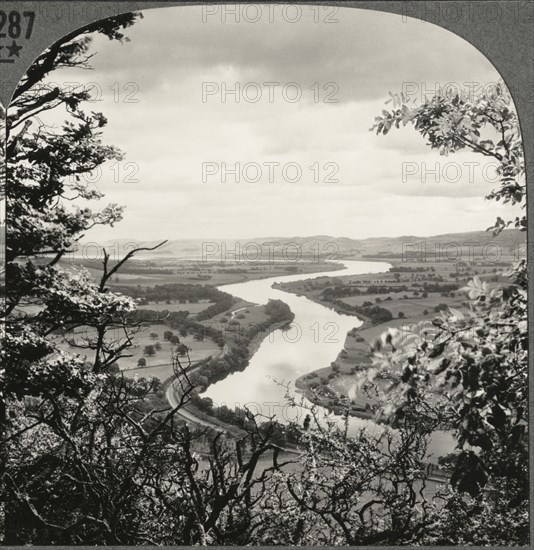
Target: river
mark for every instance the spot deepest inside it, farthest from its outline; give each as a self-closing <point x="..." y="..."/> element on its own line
<point x="314" y="340"/>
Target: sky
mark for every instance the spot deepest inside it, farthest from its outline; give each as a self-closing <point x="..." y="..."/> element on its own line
<point x="309" y="84"/>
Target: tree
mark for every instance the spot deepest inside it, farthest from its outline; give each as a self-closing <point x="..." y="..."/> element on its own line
<point x="149" y="350"/>
<point x="368" y="489"/>
<point x="66" y="412"/>
<point x="485" y="123"/>
<point x="141" y="362"/>
<point x="167" y="334"/>
<point x="478" y="359"/>
<point x="401" y="315"/>
<point x="48" y="393"/>
<point x="154" y="335"/>
<point x="45" y="169"/>
<point x="182" y="349"/>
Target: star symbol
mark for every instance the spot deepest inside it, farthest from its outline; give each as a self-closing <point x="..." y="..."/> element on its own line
<point x="14" y="49"/>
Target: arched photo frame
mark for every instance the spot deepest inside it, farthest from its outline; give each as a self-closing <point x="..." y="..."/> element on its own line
<point x="499" y="30"/>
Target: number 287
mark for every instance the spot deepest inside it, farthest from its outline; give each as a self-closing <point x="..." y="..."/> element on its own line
<point x="13" y="22"/>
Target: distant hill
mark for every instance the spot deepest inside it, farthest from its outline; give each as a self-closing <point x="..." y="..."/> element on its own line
<point x="509" y="241"/>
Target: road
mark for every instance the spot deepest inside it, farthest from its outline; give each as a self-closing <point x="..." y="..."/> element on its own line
<point x="173" y="399"/>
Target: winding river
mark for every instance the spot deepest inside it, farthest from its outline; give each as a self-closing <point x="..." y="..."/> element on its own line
<point x="314" y="340"/>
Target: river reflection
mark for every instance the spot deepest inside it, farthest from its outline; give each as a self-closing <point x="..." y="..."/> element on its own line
<point x="314" y="340"/>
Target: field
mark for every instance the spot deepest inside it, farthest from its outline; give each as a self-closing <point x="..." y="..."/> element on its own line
<point x="236" y="321"/>
<point x="411" y="307"/>
<point x="159" y="364"/>
<point x="197" y="349"/>
<point x="201" y="272"/>
<point x="406" y="293"/>
<point x="177" y="306"/>
<point x="412" y="292"/>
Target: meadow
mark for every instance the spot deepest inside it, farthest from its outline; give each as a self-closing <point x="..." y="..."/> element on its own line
<point x="159" y="364"/>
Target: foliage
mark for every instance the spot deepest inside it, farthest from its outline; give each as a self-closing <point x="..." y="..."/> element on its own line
<point x="236" y="359"/>
<point x="366" y="489"/>
<point x="149" y="350"/>
<point x="91" y="457"/>
<point x="485" y="123"/>
<point x="471" y="372"/>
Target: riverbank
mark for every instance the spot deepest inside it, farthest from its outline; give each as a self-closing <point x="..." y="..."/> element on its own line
<point x="313" y="342"/>
<point x="193" y="412"/>
<point x="321" y="386"/>
<point x="324" y="386"/>
<point x="407" y="298"/>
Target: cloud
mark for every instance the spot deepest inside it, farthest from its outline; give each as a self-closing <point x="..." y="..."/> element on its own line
<point x="353" y="182"/>
<point x="367" y="53"/>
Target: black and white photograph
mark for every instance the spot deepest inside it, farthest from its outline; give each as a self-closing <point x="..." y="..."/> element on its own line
<point x="265" y="275"/>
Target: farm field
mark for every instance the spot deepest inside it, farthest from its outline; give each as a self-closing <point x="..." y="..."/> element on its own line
<point x="160" y="362"/>
<point x="238" y="320"/>
<point x="177" y="306"/>
<point x="409" y="306"/>
<point x="406" y="292"/>
<point x="197" y="349"/>
<point x="199" y="272"/>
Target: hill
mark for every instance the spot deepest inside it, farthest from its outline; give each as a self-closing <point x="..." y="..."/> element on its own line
<point x="509" y="243"/>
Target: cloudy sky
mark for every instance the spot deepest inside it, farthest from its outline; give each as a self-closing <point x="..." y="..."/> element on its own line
<point x="306" y="166"/>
